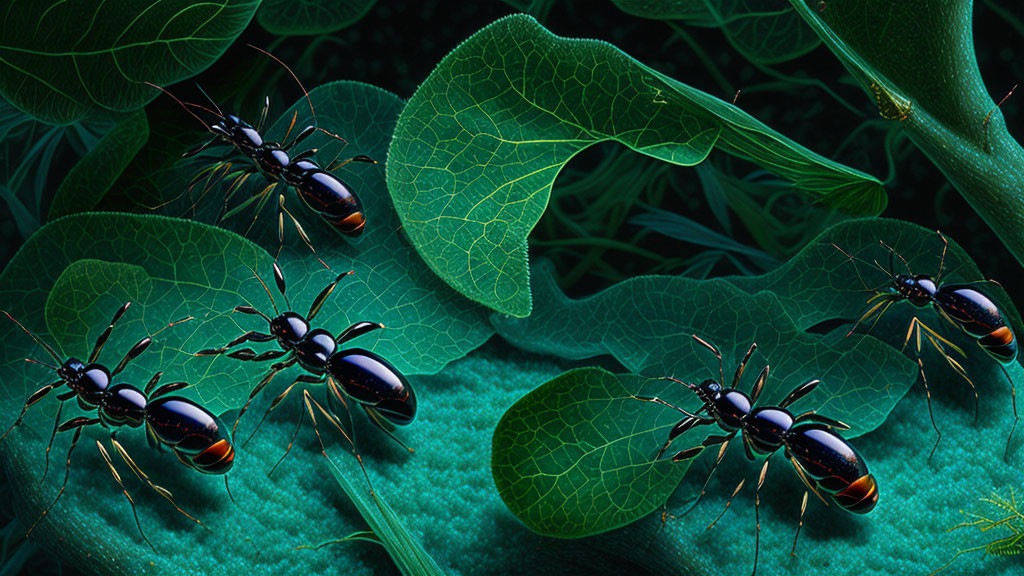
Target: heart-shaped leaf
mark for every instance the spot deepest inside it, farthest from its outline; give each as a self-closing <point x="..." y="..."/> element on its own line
<point x="479" y="145"/>
<point x="61" y="60"/>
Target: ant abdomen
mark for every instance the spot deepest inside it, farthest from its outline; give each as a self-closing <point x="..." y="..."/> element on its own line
<point x="375" y="383"/>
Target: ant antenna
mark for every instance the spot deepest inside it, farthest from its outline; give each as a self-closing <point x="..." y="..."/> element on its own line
<point x="203" y="92"/>
<point x="185" y="106"/>
<point x="305" y="93"/>
<point x="45" y="346"/>
<point x="267" y="290"/>
<point x="893" y="252"/>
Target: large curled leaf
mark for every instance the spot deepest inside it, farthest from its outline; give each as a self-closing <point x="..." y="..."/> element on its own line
<point x="429" y="324"/>
<point x="917" y="61"/>
<point x="60" y="60"/>
<point x="762" y="30"/>
<point x="97" y="171"/>
<point x="310" y="17"/>
<point x="480" y="143"/>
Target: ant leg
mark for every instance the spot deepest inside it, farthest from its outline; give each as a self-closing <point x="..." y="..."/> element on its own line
<point x="263" y="114"/>
<point x="743" y="365"/>
<point x="298" y="228"/>
<point x="727" y="503"/>
<point x="106" y="333"/>
<point x="360" y="158"/>
<point x="306" y="133"/>
<point x="167" y="389"/>
<point x="718" y="460"/>
<point x="75" y="424"/>
<point x="141" y="347"/>
<point x="303" y="378"/>
<point x="117" y="478"/>
<point x="291" y="442"/>
<point x="310" y="402"/>
<point x="683" y="426"/>
<point x="942" y="260"/>
<point x="1013" y="392"/>
<point x="35" y="397"/>
<point x="812" y="416"/>
<point x="383" y="424"/>
<point x="251" y="336"/>
<point x="928" y="396"/>
<point x="757" y="514"/>
<point x="145" y="478"/>
<point x="197" y="149"/>
<point x="755" y="392"/>
<point x="49" y="445"/>
<point x="356" y="330"/>
<point x="800" y="524"/>
<point x="715" y="351"/>
<point x="318" y="302"/>
<point x="800" y="391"/>
<point x="664" y="403"/>
<point x="259" y="388"/>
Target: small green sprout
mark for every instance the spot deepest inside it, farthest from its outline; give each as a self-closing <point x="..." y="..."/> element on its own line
<point x="1012" y="523"/>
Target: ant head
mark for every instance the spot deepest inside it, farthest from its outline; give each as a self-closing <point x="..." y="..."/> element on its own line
<point x="918" y="290"/>
<point x="71" y="370"/>
<point x="709" y="390"/>
<point x="289" y="329"/>
<point x="239" y="133"/>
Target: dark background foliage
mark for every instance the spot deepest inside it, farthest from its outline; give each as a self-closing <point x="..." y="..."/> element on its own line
<point x="593" y="240"/>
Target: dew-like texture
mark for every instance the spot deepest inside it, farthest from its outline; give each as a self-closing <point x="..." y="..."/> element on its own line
<point x="478" y="147"/>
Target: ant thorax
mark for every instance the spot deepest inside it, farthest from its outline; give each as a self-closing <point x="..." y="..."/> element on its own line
<point x="289" y="329"/>
<point x="918" y="290"/>
<point x="90" y="382"/>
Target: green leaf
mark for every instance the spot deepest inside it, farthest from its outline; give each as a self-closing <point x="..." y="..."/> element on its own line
<point x="59" y="61"/>
<point x="429" y="324"/>
<point x="575" y="456"/>
<point x="480" y="143"/>
<point x="405" y="551"/>
<point x="645" y="323"/>
<point x="97" y="171"/>
<point x="916" y="61"/>
<point x="310" y="17"/>
<point x="761" y="30"/>
<point x="168" y="268"/>
<point x="821" y="274"/>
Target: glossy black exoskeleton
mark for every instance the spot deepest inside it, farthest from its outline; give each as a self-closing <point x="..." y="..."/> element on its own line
<point x="363" y="376"/>
<point x="320" y="190"/>
<point x="824" y="460"/>
<point x="194" y="435"/>
<point x="961" y="305"/>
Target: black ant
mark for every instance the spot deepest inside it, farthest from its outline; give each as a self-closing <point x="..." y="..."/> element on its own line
<point x="375" y="385"/>
<point x="961" y="305"/>
<point x="321" y="191"/>
<point x="823" y="459"/>
<point x="192" y="433"/>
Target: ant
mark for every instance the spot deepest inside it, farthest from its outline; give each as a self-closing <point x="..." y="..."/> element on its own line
<point x="823" y="459"/>
<point x="368" y="379"/>
<point x="961" y="305"/>
<point x="320" y="190"/>
<point x="192" y="433"/>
